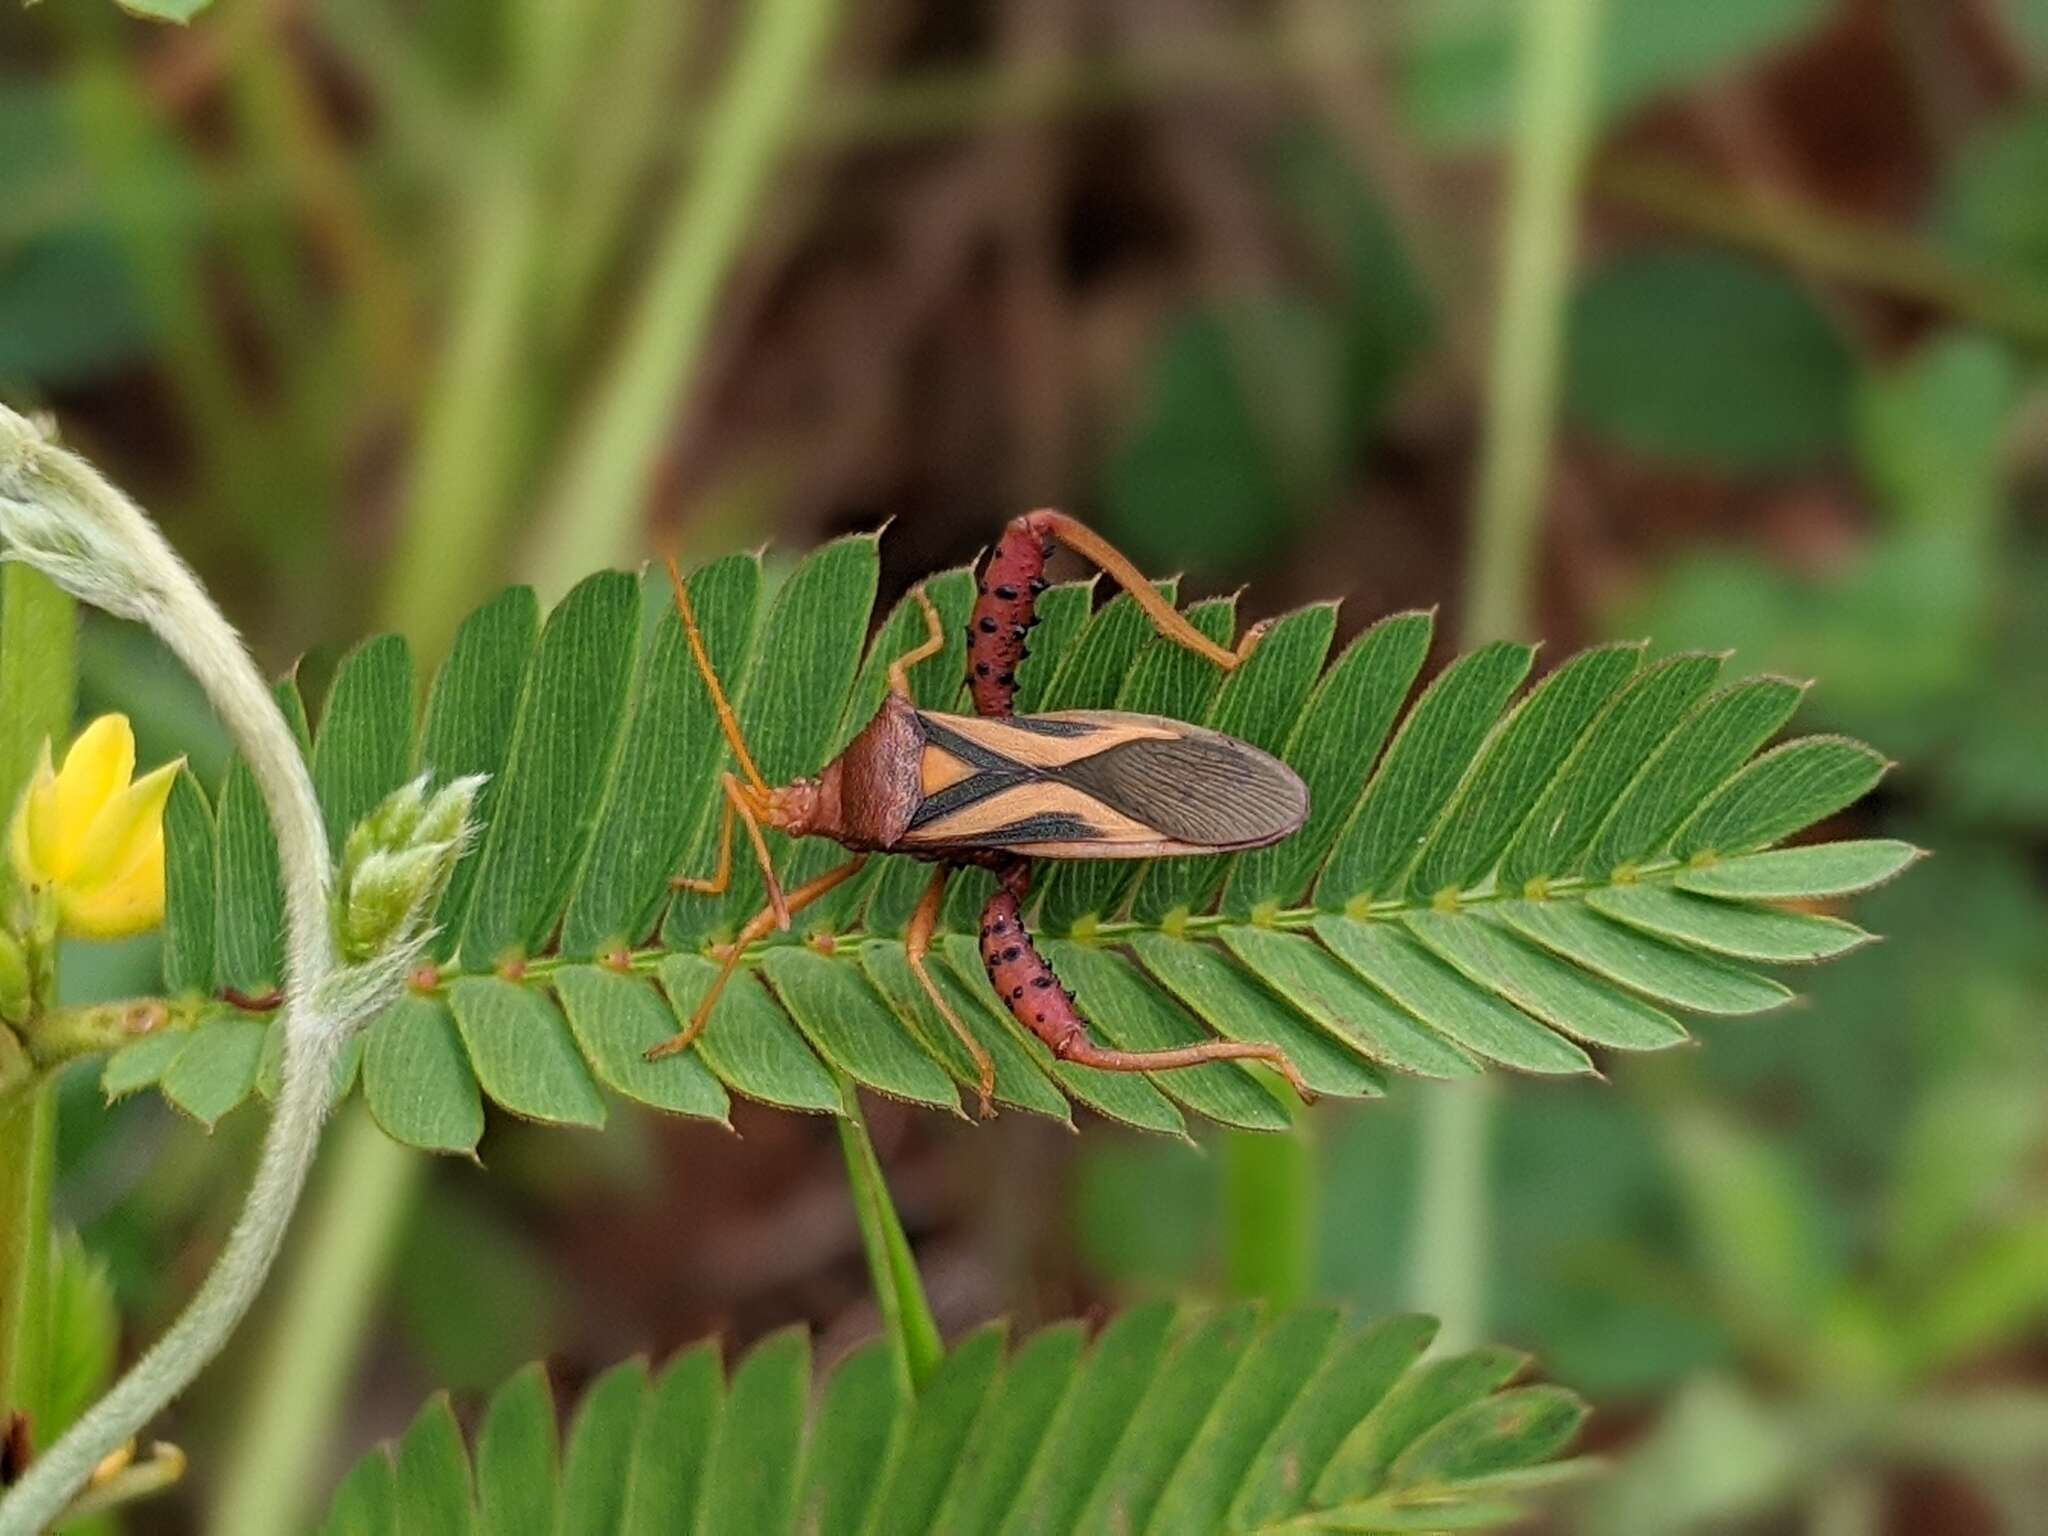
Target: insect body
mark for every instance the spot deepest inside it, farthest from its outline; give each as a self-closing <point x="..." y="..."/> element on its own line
<point x="998" y="789"/>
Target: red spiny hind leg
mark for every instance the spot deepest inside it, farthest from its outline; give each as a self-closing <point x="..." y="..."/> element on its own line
<point x="1005" y="608"/>
<point x="1032" y="993"/>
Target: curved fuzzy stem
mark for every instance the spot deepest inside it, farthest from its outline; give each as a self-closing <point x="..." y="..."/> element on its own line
<point x="60" y="515"/>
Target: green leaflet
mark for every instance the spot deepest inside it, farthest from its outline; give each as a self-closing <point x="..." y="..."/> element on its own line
<point x="1338" y="734"/>
<point x="364" y="749"/>
<point x="188" y="889"/>
<point x="563" y="955"/>
<point x="568" y="716"/>
<point x="1168" y="1422"/>
<point x="1420" y="773"/>
<point x="666" y="780"/>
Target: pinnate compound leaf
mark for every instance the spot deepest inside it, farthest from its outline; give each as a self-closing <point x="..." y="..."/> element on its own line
<point x="1490" y="874"/>
<point x="1171" y="1420"/>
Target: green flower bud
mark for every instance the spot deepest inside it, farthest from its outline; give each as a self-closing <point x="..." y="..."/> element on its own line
<point x="396" y="864"/>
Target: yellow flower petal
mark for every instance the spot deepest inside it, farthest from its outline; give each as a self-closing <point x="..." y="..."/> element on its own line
<point x="98" y="767"/>
<point x="119" y="908"/>
<point x="34" y="832"/>
<point x="120" y="834"/>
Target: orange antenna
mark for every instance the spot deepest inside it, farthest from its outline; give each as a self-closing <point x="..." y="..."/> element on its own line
<point x="727" y="720"/>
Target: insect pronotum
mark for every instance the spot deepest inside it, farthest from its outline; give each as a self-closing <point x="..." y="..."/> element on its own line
<point x="998" y="789"/>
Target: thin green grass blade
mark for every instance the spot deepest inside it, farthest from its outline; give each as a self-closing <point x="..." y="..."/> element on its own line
<point x="1709" y="745"/>
<point x="1812" y="873"/>
<point x="599" y="1456"/>
<point x="1725" y="928"/>
<point x="1120" y="1096"/>
<point x="1354" y="1379"/>
<point x="1419" y="773"/>
<point x="569" y="718"/>
<point x="748" y="1041"/>
<point x="1166" y="679"/>
<point x="1538" y="982"/>
<point x="1786" y="790"/>
<point x="1194" y="1379"/>
<point x="364" y="749"/>
<point x="864" y="1416"/>
<point x="1008" y="1431"/>
<point x="851" y="1029"/>
<point x="433" y="1475"/>
<point x="522" y="1052"/>
<point x="1561" y="827"/>
<point x="517" y="1490"/>
<point x="944" y="1417"/>
<point x="1127" y="1011"/>
<point x="616" y="1020"/>
<point x="188" y="890"/>
<point x="1259" y="704"/>
<point x="1230" y="1000"/>
<point x="417" y="1079"/>
<point x="1335" y="742"/>
<point x="671" y="1448"/>
<point x="1332" y="996"/>
<point x="804" y="660"/>
<point x="1077" y="1447"/>
<point x="1523" y="756"/>
<point x="1019" y="1080"/>
<point x="752" y="1481"/>
<point x="1437" y="995"/>
<point x="1658" y="970"/>
<point x="1268" y="1381"/>
<point x="665" y="784"/>
<point x="471" y="711"/>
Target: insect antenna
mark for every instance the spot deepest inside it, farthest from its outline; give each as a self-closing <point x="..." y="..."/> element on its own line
<point x="727" y="720"/>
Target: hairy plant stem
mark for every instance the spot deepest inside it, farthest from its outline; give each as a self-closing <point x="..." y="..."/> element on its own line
<point x="1553" y="120"/>
<point x="60" y="515"/>
<point x="907" y="1320"/>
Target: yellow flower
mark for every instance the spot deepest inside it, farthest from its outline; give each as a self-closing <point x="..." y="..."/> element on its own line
<point x="93" y="835"/>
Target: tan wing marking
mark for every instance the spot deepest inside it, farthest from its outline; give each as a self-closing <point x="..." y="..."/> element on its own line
<point x="984" y="819"/>
<point x="1042" y="751"/>
<point x="939" y="769"/>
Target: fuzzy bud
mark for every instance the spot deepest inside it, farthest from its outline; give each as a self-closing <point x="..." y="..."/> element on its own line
<point x="17" y="993"/>
<point x="396" y="864"/>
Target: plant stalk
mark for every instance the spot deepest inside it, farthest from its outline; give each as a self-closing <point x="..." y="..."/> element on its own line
<point x="1269" y="1214"/>
<point x="313" y="1339"/>
<point x="1559" y="56"/>
<point x="907" y="1319"/>
<point x="594" y="517"/>
<point x="38" y="693"/>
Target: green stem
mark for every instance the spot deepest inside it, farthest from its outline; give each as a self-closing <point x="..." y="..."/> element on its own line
<point x="1269" y="1214"/>
<point x="594" y="517"/>
<point x="1553" y="123"/>
<point x="313" y="1340"/>
<point x="28" y="1132"/>
<point x="907" y="1319"/>
<point x="38" y="682"/>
